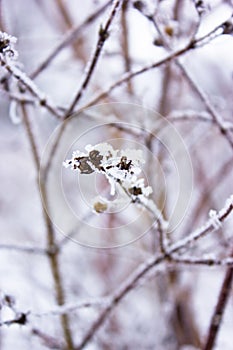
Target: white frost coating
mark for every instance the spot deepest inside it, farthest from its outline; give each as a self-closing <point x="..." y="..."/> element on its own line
<point x="7" y="43"/>
<point x="135" y="155"/>
<point x="229" y="202"/>
<point x="206" y="228"/>
<point x="214" y="218"/>
<point x="77" y="154"/>
<point x="13" y="113"/>
<point x="121" y="168"/>
<point x="105" y="149"/>
<point x="7" y="37"/>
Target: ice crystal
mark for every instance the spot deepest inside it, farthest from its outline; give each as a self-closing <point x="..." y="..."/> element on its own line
<point x="214" y="219"/>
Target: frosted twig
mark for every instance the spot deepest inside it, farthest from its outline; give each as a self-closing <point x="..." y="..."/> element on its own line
<point x="215" y="220"/>
<point x="29" y="85"/>
<point x="52" y="251"/>
<point x="189" y="115"/>
<point x="220" y="307"/>
<point x="217" y="119"/>
<point x="68" y="39"/>
<point x="190" y="46"/>
<point x="143" y="269"/>
<point x="206" y="189"/>
<point x="49" y="341"/>
<point x="211" y="261"/>
<point x="103" y="36"/>
<point x="125" y="41"/>
<point x="72" y="307"/>
<point x="19" y="97"/>
<point x="23" y="249"/>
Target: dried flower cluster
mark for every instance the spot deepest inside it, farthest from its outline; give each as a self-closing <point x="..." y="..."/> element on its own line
<point x="121" y="168"/>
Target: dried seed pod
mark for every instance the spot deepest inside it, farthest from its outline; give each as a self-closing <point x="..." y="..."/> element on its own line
<point x="100" y="207"/>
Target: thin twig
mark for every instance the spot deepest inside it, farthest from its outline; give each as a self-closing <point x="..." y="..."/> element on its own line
<point x="125" y="42"/>
<point x="23" y="249"/>
<point x="67" y="308"/>
<point x="210" y="108"/>
<point x="202" y="95"/>
<point x="193" y="44"/>
<point x="68" y="39"/>
<point x="103" y="36"/>
<point x="202" y="261"/>
<point x="206" y="189"/>
<point x="51" y="244"/>
<point x="146" y="267"/>
<point x="29" y="85"/>
<point x="49" y="342"/>
<point x="220" y="307"/>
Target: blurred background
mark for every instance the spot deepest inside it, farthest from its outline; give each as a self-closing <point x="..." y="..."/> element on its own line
<point x="189" y="168"/>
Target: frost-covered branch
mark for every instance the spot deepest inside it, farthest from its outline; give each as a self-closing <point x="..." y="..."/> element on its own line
<point x="121" y="169"/>
<point x="23" y="249"/>
<point x="67" y="40"/>
<point x="52" y="251"/>
<point x="193" y="44"/>
<point x="192" y="115"/>
<point x="30" y="86"/>
<point x="72" y="307"/>
<point x="47" y="340"/>
<point x="7" y="61"/>
<point x="224" y="28"/>
<point x="154" y="262"/>
<point x="205" y="260"/>
<point x="220" y="307"/>
<point x="102" y="37"/>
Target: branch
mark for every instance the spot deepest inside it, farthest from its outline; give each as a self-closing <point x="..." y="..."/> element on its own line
<point x="52" y="252"/>
<point x="68" y="39"/>
<point x="17" y="248"/>
<point x="217" y="119"/>
<point x="50" y="342"/>
<point x="103" y="36"/>
<point x="29" y="85"/>
<point x="143" y="269"/>
<point x="193" y="44"/>
<point x="209" y="261"/>
<point x="218" y="313"/>
<point x="66" y="308"/>
<point x="219" y="30"/>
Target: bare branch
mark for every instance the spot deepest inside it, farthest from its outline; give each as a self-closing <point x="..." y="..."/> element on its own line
<point x="220" y="307"/>
<point x="23" y="249"/>
<point x="30" y="86"/>
<point x="193" y="44"/>
<point x="151" y="263"/>
<point x="103" y="36"/>
<point x="68" y="39"/>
